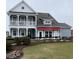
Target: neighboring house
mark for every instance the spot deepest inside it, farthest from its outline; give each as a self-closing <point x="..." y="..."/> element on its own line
<point x="24" y="21"/>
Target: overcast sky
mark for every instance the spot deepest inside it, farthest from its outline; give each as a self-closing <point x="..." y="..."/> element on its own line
<point x="61" y="10"/>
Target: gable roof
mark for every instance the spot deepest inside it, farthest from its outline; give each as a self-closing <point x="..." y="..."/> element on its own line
<point x="18" y="7"/>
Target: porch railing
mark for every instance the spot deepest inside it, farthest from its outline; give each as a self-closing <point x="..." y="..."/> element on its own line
<point x="22" y="23"/>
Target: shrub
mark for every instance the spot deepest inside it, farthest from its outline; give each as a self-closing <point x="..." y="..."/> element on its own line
<point x="24" y="40"/>
<point x="9" y="41"/>
<point x="9" y="38"/>
<point x="17" y="40"/>
<point x="8" y="47"/>
<point x="70" y="38"/>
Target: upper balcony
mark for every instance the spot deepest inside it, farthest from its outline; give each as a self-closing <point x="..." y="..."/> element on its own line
<point x="22" y="23"/>
<point x="22" y="20"/>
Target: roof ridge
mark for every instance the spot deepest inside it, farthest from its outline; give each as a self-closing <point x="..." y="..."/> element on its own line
<point x="43" y="12"/>
<point x="25" y="4"/>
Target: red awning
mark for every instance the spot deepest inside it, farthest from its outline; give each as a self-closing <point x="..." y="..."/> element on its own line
<point x="48" y="28"/>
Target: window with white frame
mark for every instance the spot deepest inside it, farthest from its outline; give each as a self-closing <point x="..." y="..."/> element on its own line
<point x="22" y="32"/>
<point x="46" y="34"/>
<point x="14" y="32"/>
<point x="47" y="22"/>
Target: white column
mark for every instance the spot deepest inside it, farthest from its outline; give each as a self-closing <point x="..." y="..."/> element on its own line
<point x="26" y="19"/>
<point x="36" y="34"/>
<point x="17" y="32"/>
<point x="43" y="34"/>
<point x="18" y="20"/>
<point x="9" y="25"/>
<point x="26" y="31"/>
<point x="59" y="33"/>
<point x="35" y="20"/>
<point x="9" y="20"/>
<point x="52" y="33"/>
<point x="11" y="32"/>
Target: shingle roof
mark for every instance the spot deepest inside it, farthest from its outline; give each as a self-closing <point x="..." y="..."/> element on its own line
<point x="64" y="25"/>
<point x="42" y="16"/>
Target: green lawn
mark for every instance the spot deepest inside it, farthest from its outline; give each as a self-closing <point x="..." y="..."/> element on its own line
<point x="49" y="51"/>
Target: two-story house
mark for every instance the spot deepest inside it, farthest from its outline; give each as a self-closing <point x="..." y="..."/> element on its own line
<point x="24" y="21"/>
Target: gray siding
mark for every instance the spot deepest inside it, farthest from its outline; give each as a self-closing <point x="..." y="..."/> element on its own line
<point x="65" y="33"/>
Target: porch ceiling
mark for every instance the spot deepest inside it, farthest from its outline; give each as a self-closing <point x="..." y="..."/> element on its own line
<point x="48" y="28"/>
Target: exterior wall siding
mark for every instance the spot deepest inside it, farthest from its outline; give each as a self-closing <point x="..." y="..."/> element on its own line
<point x="65" y="33"/>
<point x="19" y="8"/>
<point x="56" y="33"/>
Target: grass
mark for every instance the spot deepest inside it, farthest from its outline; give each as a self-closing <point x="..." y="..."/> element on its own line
<point x="49" y="51"/>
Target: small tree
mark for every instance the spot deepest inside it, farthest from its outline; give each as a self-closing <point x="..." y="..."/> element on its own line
<point x="9" y="38"/>
<point x="8" y="47"/>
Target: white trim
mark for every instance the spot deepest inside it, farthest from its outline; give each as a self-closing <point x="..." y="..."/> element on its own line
<point x="19" y="4"/>
<point x="18" y="32"/>
<point x="47" y="22"/>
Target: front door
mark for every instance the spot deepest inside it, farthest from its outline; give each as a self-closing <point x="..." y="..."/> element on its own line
<point x="40" y="34"/>
<point x="31" y="33"/>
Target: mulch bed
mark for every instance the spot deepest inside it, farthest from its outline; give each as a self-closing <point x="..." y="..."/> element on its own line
<point x="16" y="53"/>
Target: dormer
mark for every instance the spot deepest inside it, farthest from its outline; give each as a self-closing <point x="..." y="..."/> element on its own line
<point x="47" y="22"/>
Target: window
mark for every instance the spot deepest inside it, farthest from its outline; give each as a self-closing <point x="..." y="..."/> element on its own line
<point x="46" y="34"/>
<point x="14" y="32"/>
<point x="47" y="22"/>
<point x="50" y="34"/>
<point x="22" y="7"/>
<point x="22" y="32"/>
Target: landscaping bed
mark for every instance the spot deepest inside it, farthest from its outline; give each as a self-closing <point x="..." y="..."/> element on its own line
<point x="16" y="52"/>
